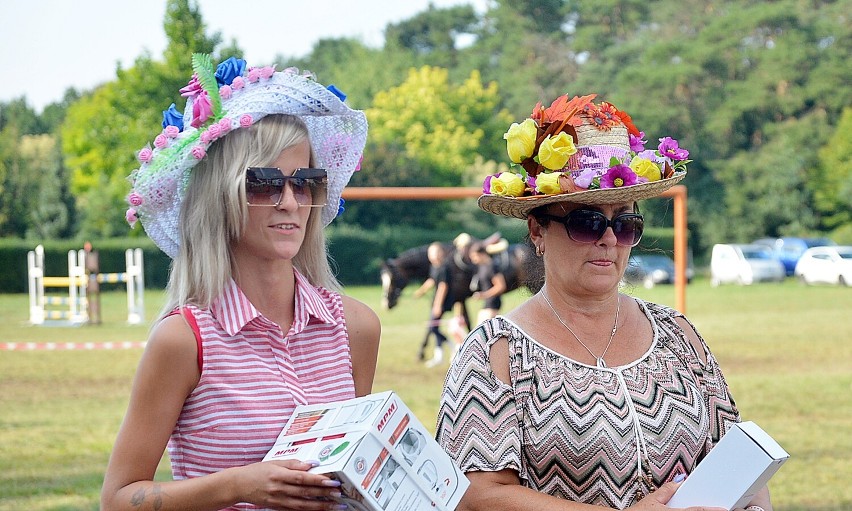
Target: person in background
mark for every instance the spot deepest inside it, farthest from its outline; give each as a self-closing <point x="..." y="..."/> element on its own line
<point x="490" y="282"/>
<point x="440" y="274"/>
<point x="93" y="287"/>
<point x="236" y="191"/>
<point x="581" y="397"/>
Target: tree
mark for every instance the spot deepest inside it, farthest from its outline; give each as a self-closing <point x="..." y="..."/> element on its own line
<point x="106" y="128"/>
<point x="831" y="179"/>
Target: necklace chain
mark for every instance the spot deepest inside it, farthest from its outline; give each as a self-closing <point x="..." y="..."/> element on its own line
<point x="599" y="360"/>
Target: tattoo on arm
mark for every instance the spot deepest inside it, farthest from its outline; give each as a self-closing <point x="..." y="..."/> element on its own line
<point x="140" y="496"/>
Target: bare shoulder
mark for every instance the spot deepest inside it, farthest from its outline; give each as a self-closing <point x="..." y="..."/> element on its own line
<point x="362" y="321"/>
<point x="694" y="339"/>
<point x="172" y="349"/>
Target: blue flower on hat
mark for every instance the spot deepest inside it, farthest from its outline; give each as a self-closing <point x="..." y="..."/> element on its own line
<point x="228" y="70"/>
<point x="340" y="208"/>
<point x="172" y="117"/>
<point x="337" y="92"/>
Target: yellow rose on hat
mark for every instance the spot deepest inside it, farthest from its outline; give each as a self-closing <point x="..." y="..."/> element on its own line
<point x="520" y="140"/>
<point x="507" y="184"/>
<point x="555" y="151"/>
<point x="643" y="167"/>
<point x="548" y="183"/>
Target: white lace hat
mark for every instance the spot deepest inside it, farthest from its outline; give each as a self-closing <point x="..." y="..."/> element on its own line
<point x="231" y="97"/>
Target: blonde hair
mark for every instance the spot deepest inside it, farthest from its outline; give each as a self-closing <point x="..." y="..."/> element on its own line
<point x="214" y="212"/>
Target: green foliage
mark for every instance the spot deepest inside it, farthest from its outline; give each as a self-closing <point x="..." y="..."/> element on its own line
<point x="755" y="90"/>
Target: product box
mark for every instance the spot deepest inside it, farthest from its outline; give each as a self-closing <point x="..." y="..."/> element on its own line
<point x="375" y="446"/>
<point x="733" y="471"/>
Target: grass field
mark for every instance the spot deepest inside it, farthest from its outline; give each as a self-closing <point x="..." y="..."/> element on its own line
<point x="786" y="351"/>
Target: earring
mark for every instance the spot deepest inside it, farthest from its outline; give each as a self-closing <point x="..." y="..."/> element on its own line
<point x="539" y="249"/>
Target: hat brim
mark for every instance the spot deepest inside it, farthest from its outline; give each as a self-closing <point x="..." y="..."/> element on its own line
<point x="520" y="207"/>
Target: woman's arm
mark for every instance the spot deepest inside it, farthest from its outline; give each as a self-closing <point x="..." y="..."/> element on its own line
<point x="502" y="491"/>
<point x="364" y="329"/>
<point x="167" y="374"/>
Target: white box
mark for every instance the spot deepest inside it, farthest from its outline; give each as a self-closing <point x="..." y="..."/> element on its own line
<point x="375" y="446"/>
<point x="733" y="471"/>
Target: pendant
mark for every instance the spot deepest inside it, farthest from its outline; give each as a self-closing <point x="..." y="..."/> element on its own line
<point x="601" y="364"/>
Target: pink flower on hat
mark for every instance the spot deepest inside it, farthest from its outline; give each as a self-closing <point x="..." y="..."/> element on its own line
<point x="669" y="147"/>
<point x="161" y="141"/>
<point x="134" y="199"/>
<point x="225" y="125"/>
<point x="130" y="216"/>
<point x="145" y="155"/>
<point x="202" y="109"/>
<point x="267" y="72"/>
<point x="245" y="121"/>
<point x="238" y="83"/>
<point x="171" y="131"/>
<point x="225" y="91"/>
<point x="193" y="88"/>
<point x="206" y="137"/>
<point x="618" y="176"/>
<point x="253" y="75"/>
<point x="198" y="152"/>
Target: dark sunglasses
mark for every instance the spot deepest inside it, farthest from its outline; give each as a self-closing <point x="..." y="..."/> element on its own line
<point x="265" y="186"/>
<point x="588" y="226"/>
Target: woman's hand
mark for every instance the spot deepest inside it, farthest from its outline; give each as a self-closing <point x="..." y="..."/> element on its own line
<point x="659" y="498"/>
<point x="286" y="485"/>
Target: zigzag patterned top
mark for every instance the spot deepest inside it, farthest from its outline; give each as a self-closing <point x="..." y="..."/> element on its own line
<point x="603" y="436"/>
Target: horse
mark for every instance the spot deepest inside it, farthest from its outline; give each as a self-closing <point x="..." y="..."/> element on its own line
<point x="515" y="262"/>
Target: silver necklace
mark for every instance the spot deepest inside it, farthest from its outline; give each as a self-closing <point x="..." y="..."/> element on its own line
<point x="599" y="361"/>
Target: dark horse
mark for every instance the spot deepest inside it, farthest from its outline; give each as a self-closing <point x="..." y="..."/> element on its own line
<point x="517" y="262"/>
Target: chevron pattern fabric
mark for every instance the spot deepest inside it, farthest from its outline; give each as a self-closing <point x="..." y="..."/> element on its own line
<point x="578" y="432"/>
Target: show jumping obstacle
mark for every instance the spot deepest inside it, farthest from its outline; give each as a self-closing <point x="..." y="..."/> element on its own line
<point x="72" y="308"/>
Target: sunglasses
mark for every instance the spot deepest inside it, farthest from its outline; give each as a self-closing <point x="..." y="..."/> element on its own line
<point x="265" y="186"/>
<point x="588" y="226"/>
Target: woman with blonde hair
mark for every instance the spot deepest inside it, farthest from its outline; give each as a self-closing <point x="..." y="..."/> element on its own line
<point x="237" y="191"/>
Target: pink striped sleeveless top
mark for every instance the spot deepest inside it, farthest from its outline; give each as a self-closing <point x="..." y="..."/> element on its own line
<point x="253" y="376"/>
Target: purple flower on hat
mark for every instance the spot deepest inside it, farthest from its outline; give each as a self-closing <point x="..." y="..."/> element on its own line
<point x="486" y="185"/>
<point x="172" y="117"/>
<point x="618" y="176"/>
<point x="337" y="92"/>
<point x="201" y="110"/>
<point x="531" y="182"/>
<point x="669" y="147"/>
<point x="637" y="144"/>
<point x="584" y="178"/>
<point x="193" y="88"/>
<point x="228" y="70"/>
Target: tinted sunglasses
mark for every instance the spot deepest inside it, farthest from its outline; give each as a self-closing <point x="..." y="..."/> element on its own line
<point x="588" y="226"/>
<point x="265" y="186"/>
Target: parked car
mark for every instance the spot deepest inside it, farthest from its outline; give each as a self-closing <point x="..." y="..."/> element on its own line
<point x="744" y="264"/>
<point x="789" y="250"/>
<point x="829" y="265"/>
<point x="652" y="269"/>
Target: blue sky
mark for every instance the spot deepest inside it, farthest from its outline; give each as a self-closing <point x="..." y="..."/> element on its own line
<point x="47" y="46"/>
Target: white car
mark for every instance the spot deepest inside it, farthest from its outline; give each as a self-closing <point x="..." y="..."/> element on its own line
<point x="744" y="265"/>
<point x="829" y="265"/>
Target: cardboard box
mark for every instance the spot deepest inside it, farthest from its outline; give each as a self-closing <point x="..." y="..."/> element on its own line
<point x="375" y="446"/>
<point x="733" y="471"/>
